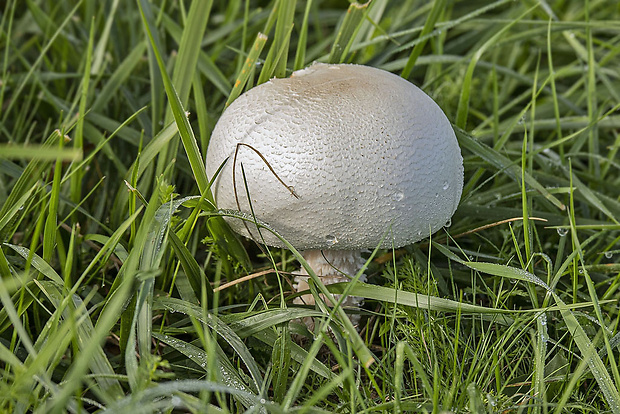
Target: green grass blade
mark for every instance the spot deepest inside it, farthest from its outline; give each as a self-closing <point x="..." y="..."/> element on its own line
<point x="466" y="90"/>
<point x="300" y="50"/>
<point x="180" y="117"/>
<point x="282" y="37"/>
<point x="194" y="273"/>
<point x="227" y="373"/>
<point x="40" y="153"/>
<point x="248" y="67"/>
<point x="78" y="138"/>
<point x="38" y="263"/>
<point x="75" y="312"/>
<point x="586" y="347"/>
<point x="365" y="356"/>
<point x="41" y="55"/>
<point x="347" y="32"/>
<point x="503" y="164"/>
<point x="225" y="332"/>
<point x="184" y="69"/>
<point x="431" y="20"/>
<point x="49" y="232"/>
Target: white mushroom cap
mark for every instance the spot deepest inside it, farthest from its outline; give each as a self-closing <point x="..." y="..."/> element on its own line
<point x="367" y="152"/>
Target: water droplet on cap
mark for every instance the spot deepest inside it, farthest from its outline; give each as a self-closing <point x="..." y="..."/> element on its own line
<point x="331" y="239"/>
<point x="446" y="185"/>
<point x="398" y="196"/>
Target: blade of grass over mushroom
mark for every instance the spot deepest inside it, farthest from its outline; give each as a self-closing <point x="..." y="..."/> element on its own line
<point x="360" y="348"/>
<point x="248" y="67"/>
<point x="346" y="34"/>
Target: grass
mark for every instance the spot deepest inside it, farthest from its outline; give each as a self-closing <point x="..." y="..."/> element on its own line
<point x="115" y="261"/>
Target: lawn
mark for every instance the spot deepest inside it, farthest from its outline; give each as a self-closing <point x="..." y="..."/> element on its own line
<point x="122" y="287"/>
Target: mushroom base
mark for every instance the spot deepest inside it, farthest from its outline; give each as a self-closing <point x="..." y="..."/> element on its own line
<point x="331" y="266"/>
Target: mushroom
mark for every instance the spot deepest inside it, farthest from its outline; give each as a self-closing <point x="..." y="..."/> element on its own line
<point x="368" y="158"/>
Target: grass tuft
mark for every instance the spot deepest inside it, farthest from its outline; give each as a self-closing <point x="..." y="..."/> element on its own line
<point x="123" y="289"/>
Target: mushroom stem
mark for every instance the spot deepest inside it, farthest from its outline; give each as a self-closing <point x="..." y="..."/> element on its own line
<point x="331" y="266"/>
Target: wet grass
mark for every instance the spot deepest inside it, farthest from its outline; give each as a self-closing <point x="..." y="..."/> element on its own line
<point x="116" y="265"/>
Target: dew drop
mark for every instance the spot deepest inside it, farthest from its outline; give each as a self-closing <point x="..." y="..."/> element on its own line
<point x="398" y="196"/>
<point x="446" y="185"/>
<point x="448" y="223"/>
<point x="331" y="239"/>
<point x="609" y="255"/>
<point x="562" y="231"/>
<point x="543" y="319"/>
<point x="492" y="400"/>
<point x="263" y="401"/>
